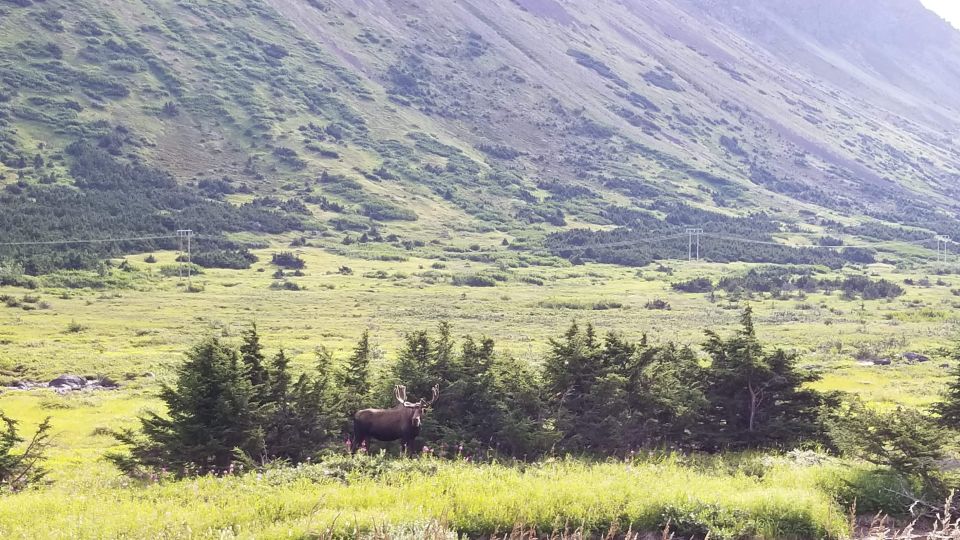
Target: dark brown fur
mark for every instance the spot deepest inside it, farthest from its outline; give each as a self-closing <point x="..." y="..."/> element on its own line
<point x="401" y="422"/>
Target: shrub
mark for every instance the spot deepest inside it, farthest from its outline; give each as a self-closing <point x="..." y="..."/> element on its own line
<point x="658" y="304"/>
<point x="473" y="280"/>
<point x="75" y="328"/>
<point x="696" y="285"/>
<point x="604" y="305"/>
<point x="233" y="259"/>
<point x="286" y="285"/>
<point x="19" y="469"/>
<point x="905" y="440"/>
<point x="286" y="259"/>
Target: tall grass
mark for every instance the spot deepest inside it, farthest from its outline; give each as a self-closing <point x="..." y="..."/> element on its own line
<point x="761" y="498"/>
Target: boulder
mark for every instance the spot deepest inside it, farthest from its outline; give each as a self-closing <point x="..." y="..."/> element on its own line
<point x="882" y="362"/>
<point x="68" y="382"/>
<point x="915" y="357"/>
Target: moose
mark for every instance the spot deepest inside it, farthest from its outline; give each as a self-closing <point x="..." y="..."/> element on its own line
<point x="401" y="422"/>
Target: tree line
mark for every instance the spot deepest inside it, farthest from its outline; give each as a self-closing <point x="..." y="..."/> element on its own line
<point x="116" y="199"/>
<point x="592" y="395"/>
<point x="634" y="242"/>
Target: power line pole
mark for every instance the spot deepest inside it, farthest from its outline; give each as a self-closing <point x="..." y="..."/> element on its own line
<point x="185" y="235"/>
<point x="691" y="234"/>
<point x="943" y="252"/>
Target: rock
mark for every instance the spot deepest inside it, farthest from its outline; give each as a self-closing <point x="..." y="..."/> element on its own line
<point x="915" y="357"/>
<point x="882" y="362"/>
<point x="68" y="382"/>
<point x="107" y="383"/>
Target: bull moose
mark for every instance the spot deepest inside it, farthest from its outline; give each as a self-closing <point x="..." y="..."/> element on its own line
<point x="401" y="422"/>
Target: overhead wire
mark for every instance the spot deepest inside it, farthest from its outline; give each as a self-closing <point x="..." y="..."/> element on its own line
<point x="86" y="241"/>
<point x="741" y="239"/>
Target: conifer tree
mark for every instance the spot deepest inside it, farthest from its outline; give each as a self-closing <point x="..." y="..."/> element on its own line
<point x="948" y="408"/>
<point x="355" y="377"/>
<point x="414" y="367"/>
<point x="251" y="352"/>
<point x="209" y="422"/>
<point x="757" y="399"/>
<point x="572" y="367"/>
<point x="20" y="468"/>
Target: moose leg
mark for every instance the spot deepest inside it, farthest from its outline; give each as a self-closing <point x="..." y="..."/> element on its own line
<point x="359" y="437"/>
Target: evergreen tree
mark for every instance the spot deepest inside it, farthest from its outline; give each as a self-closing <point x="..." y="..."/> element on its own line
<point x="472" y="399"/>
<point x="444" y="362"/>
<point x="572" y="367"/>
<point x="523" y="413"/>
<point x="355" y="377"/>
<point x="415" y="365"/>
<point x="905" y="440"/>
<point x="19" y="469"/>
<point x="670" y="394"/>
<point x="280" y="378"/>
<point x="255" y="370"/>
<point x="210" y="420"/>
<point x="757" y="399"/>
<point x="948" y="408"/>
<point x="302" y="418"/>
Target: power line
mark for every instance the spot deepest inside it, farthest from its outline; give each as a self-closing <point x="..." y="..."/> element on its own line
<point x="624" y="242"/>
<point x="86" y="241"/>
<point x="812" y="246"/>
<point x="691" y="233"/>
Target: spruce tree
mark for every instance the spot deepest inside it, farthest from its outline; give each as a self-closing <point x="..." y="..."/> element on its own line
<point x="355" y="377"/>
<point x="948" y="408"/>
<point x="522" y="430"/>
<point x="20" y="468"/>
<point x="414" y="367"/>
<point x="251" y="352"/>
<point x="443" y="358"/>
<point x="757" y="399"/>
<point x="209" y="421"/>
<point x="572" y="367"/>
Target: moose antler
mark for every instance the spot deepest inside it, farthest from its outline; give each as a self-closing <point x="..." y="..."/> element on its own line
<point x="436" y="394"/>
<point x="400" y="392"/>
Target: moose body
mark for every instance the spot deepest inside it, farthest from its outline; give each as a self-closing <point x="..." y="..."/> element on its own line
<point x="402" y="422"/>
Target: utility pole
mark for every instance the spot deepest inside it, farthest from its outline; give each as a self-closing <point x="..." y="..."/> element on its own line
<point x="183" y="237"/>
<point x="943" y="252"/>
<point x="691" y="234"/>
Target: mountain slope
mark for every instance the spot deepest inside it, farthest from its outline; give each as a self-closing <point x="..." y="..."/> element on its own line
<point x="526" y="116"/>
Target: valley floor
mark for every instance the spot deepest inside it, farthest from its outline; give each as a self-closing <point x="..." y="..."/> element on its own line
<point x="136" y="334"/>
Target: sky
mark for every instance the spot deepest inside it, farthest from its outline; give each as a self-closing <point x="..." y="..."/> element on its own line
<point x="948" y="9"/>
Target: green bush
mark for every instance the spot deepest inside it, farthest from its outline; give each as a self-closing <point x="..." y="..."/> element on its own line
<point x="21" y="466"/>
<point x="473" y="280"/>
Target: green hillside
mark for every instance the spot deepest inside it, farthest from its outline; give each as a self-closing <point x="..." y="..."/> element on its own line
<point x="525" y="117"/>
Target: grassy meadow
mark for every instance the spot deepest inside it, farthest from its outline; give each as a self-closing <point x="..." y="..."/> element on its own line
<point x="138" y="329"/>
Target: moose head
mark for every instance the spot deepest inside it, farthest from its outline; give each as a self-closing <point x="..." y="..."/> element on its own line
<point x="415" y="409"/>
<point x="403" y="421"/>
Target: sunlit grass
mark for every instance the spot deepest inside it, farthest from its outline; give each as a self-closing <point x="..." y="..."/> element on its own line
<point x="776" y="498"/>
<point x="137" y="336"/>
